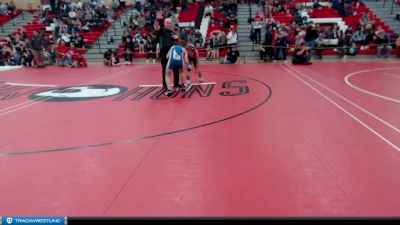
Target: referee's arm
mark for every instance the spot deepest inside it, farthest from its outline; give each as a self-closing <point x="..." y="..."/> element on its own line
<point x="158" y="30"/>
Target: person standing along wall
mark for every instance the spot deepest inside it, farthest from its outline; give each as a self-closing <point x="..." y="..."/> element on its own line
<point x="257" y="25"/>
<point x="36" y="44"/>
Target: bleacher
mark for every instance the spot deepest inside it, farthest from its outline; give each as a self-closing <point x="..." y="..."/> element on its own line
<point x="324" y="12"/>
<point x="217" y="24"/>
<point x="283" y="17"/>
<point x="6" y="18"/>
<point x="350" y="20"/>
<point x="136" y="54"/>
<point x="353" y="20"/>
<point x="188" y="16"/>
<point x="91" y="37"/>
<point x="34" y="25"/>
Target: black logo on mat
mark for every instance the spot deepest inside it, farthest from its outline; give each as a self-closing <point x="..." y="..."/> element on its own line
<point x="77" y="93"/>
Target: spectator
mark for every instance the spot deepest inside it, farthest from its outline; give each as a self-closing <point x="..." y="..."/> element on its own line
<point x="316" y="4"/>
<point x="6" y="54"/>
<point x="184" y="36"/>
<point x="359" y="37"/>
<point x="141" y="23"/>
<point x="382" y="42"/>
<point x="79" y="43"/>
<point x="3" y="9"/>
<point x="15" y="57"/>
<point x="77" y="56"/>
<point x="320" y="44"/>
<point x="331" y="37"/>
<point x="141" y="41"/>
<point x="150" y="50"/>
<point x="266" y="50"/>
<point x="270" y="22"/>
<point x="135" y="13"/>
<point x="257" y="25"/>
<point x="122" y="4"/>
<point x="215" y="45"/>
<point x="3" y="58"/>
<point x="350" y="10"/>
<point x="37" y="47"/>
<point x="175" y="20"/>
<point x="75" y="5"/>
<point x="364" y="19"/>
<point x="281" y="43"/>
<point x="369" y="32"/>
<point x="343" y="45"/>
<point x="64" y="55"/>
<point x="27" y="58"/>
<point x="337" y="4"/>
<point x="24" y="36"/>
<point x="115" y="5"/>
<point x="207" y="45"/>
<point x="73" y="38"/>
<point x="232" y="37"/>
<point x="64" y="37"/>
<point x="232" y="57"/>
<point x="138" y="6"/>
<point x="150" y="17"/>
<point x="209" y="11"/>
<point x="310" y="37"/>
<point x="349" y="32"/>
<point x="231" y="19"/>
<point x="199" y="39"/>
<point x="51" y="54"/>
<point x="129" y="49"/>
<point x="147" y="6"/>
<point x="301" y="54"/>
<point x="110" y="58"/>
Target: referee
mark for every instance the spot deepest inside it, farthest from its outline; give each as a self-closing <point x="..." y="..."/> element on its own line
<point x="165" y="37"/>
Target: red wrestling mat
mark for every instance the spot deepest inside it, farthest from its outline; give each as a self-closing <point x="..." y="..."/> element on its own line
<point x="251" y="140"/>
